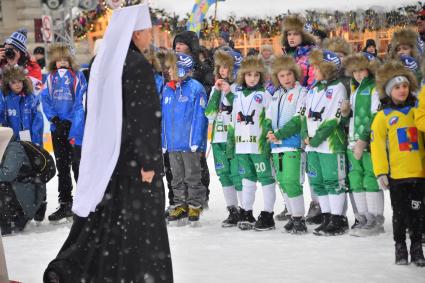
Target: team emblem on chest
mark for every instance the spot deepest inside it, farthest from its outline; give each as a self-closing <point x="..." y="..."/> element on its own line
<point x="248" y="119"/>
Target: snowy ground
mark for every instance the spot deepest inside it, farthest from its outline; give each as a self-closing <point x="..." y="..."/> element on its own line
<point x="213" y="254"/>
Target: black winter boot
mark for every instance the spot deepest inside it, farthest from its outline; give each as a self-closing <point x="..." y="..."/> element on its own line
<point x="247" y="220"/>
<point x="299" y="226"/>
<point x="401" y="256"/>
<point x="63" y="211"/>
<point x="314" y="215"/>
<point x="289" y="225"/>
<point x="325" y="221"/>
<point x="336" y="226"/>
<point x="41" y="212"/>
<point x="417" y="254"/>
<point x="233" y="218"/>
<point x="265" y="221"/>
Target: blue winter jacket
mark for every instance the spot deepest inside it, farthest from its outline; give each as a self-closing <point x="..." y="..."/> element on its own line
<point x="62" y="97"/>
<point x="23" y="113"/>
<point x="160" y="84"/>
<point x="184" y="125"/>
<point x="2" y="110"/>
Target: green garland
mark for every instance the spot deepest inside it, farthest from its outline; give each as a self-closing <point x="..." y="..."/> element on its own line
<point x="353" y="21"/>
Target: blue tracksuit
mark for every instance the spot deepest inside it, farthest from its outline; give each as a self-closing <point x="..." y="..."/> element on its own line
<point x="23" y="113"/>
<point x="160" y="84"/>
<point x="62" y="98"/>
<point x="183" y="117"/>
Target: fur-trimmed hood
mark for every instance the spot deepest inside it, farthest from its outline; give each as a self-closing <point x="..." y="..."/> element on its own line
<point x="330" y="71"/>
<point x="57" y="52"/>
<point x="285" y="62"/>
<point x="150" y="55"/>
<point x="358" y="61"/>
<point x="295" y="23"/>
<point x="249" y="64"/>
<point x="223" y="58"/>
<point x="404" y="36"/>
<point x="12" y="74"/>
<point x="337" y="45"/>
<point x="390" y="70"/>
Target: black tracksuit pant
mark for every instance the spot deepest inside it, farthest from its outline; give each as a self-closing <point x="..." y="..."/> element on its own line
<point x="407" y="202"/>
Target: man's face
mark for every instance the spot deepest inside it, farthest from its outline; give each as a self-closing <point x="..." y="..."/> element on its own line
<point x="420" y="23"/>
<point x="182" y="48"/>
<point x="142" y="39"/>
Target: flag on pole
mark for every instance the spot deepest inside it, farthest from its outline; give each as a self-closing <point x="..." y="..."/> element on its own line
<point x="199" y="11"/>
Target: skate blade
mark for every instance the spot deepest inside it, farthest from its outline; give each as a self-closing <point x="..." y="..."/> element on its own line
<point x="264" y="229"/>
<point x="178" y="223"/>
<point x="228" y="225"/>
<point x="298" y="232"/>
<point x="319" y="233"/>
<point x="62" y="221"/>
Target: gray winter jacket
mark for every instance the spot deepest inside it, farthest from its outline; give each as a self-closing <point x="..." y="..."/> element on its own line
<point x="29" y="195"/>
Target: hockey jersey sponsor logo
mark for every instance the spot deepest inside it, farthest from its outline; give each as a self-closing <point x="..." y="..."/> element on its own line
<point x="393" y="120"/>
<point x="250" y="139"/>
<point x="258" y="98"/>
<point x="219" y="165"/>
<point x="408" y="139"/>
<point x="312" y="173"/>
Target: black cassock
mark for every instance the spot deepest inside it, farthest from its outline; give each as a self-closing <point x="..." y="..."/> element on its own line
<point x="125" y="239"/>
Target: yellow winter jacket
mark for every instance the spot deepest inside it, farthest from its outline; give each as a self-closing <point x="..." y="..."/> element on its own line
<point x="397" y="145"/>
<point x="420" y="111"/>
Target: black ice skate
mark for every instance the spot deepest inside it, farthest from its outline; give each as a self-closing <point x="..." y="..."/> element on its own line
<point x="41" y="212"/>
<point x="265" y="221"/>
<point x="417" y="254"/>
<point x="319" y="231"/>
<point x="63" y="213"/>
<point x="401" y="256"/>
<point x="283" y="216"/>
<point x="247" y="221"/>
<point x="299" y="226"/>
<point x="314" y="215"/>
<point x="178" y="216"/>
<point x="336" y="226"/>
<point x="233" y="218"/>
<point x="289" y="225"/>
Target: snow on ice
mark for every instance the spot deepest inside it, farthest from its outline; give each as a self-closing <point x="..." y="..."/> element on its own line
<point x="212" y="254"/>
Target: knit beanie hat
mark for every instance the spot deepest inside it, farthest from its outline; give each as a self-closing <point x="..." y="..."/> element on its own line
<point x="18" y="39"/>
<point x="370" y="42"/>
<point x="184" y="64"/>
<point x="225" y="36"/>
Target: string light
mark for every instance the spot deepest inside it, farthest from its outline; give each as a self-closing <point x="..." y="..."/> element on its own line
<point x="350" y="21"/>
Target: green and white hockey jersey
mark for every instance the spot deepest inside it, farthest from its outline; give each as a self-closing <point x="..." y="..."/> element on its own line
<point x="219" y="113"/>
<point x="364" y="103"/>
<point x="248" y="130"/>
<point x="285" y="110"/>
<point x="323" y="115"/>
